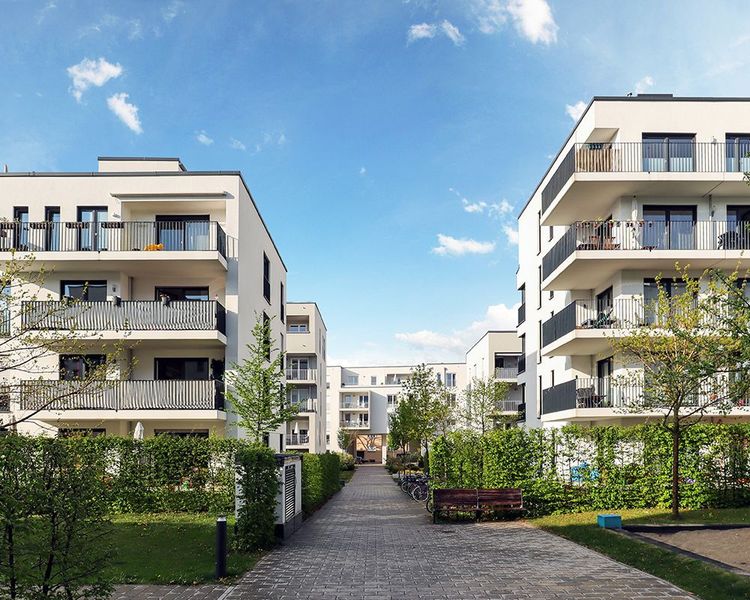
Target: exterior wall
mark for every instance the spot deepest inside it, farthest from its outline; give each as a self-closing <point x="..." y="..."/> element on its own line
<point x="597" y="195"/>
<point x="480" y="363"/>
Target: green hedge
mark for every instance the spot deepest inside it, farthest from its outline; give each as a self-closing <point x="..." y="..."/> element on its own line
<point x="575" y="469"/>
<point x="258" y="486"/>
<point x="321" y="479"/>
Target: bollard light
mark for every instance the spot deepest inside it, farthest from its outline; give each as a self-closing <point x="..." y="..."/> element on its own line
<point x="221" y="547"/>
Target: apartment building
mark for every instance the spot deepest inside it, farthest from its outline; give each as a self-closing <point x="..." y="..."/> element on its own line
<point x="360" y="399"/>
<point x="496" y="354"/>
<point x="305" y="376"/>
<point x="640" y="183"/>
<point x="175" y="265"/>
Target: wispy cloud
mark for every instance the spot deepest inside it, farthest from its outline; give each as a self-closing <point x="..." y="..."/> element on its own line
<point x="643" y="84"/>
<point x="425" y="31"/>
<point x="44" y="11"/>
<point x="450" y="246"/>
<point x="511" y="234"/>
<point x="172" y="10"/>
<point x="492" y="209"/>
<point x="132" y="28"/>
<point x="91" y="72"/>
<point x="426" y="339"/>
<point x="236" y="144"/>
<point x="202" y="138"/>
<point x="277" y="140"/>
<point x="532" y="19"/>
<point x="125" y="111"/>
<point x="362" y="171"/>
<point x="575" y="111"/>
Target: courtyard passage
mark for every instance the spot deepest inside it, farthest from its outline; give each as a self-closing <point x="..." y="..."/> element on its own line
<point x="370" y="542"/>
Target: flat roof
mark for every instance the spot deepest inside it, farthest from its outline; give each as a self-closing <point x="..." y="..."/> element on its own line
<point x="489" y="331"/>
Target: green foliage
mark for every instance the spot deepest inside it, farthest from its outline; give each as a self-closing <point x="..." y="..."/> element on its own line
<point x="53" y="507"/>
<point x="483" y="401"/>
<point x="256" y="386"/>
<point x="345" y="439"/>
<point x="321" y="479"/>
<point x="346" y="460"/>
<point x="258" y="483"/>
<point x="600" y="468"/>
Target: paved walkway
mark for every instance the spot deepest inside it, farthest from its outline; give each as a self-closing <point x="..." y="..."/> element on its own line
<point x="371" y="542"/>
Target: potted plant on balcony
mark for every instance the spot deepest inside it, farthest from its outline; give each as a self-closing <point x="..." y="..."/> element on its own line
<point x="165" y="299"/>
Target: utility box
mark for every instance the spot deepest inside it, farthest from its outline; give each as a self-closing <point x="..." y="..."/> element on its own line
<point x="289" y="499"/>
<point x="609" y="521"/>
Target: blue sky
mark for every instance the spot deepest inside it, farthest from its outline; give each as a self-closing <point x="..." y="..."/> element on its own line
<point x="389" y="145"/>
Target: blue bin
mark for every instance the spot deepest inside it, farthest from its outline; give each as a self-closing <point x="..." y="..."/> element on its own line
<point x="609" y="521"/>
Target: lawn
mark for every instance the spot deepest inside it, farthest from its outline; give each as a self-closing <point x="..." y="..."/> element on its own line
<point x="706" y="581"/>
<point x="346" y="476"/>
<point x="170" y="548"/>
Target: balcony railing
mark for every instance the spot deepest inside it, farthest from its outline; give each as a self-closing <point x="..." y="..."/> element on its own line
<point x="506" y="372"/>
<point x="354" y="424"/>
<point x="616" y="236"/>
<point x="124" y="315"/>
<point x="297" y="374"/>
<point x="297" y="439"/>
<point x="521" y="313"/>
<point x="675" y="155"/>
<point x="304" y="406"/>
<point x="522" y="363"/>
<point x="145" y="394"/>
<point x="507" y="406"/>
<point x="113" y="236"/>
<point x="354" y="405"/>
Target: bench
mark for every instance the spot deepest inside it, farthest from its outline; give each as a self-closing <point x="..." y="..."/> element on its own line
<point x="475" y="500"/>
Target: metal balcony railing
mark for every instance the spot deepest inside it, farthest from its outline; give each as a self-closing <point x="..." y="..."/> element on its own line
<point x="521" y="313"/>
<point x="657" y="156"/>
<point x="113" y="236"/>
<point x="590" y="392"/>
<point x="124" y="315"/>
<point x="509" y="406"/>
<point x="354" y="424"/>
<point x="506" y="372"/>
<point x="616" y="236"/>
<point x="145" y="394"/>
<point x="299" y="374"/>
<point x="303" y="406"/>
<point x="354" y="405"/>
<point x="297" y="439"/>
<point x="522" y="363"/>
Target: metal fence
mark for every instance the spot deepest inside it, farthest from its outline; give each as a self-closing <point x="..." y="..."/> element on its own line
<point x="297" y="439"/>
<point x="301" y="374"/>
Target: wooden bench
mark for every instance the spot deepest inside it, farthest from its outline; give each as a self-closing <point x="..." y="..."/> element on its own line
<point x="475" y="500"/>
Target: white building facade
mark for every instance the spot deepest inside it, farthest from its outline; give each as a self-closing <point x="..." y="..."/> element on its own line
<point x="306" y="376"/>
<point x="173" y="265"/>
<point x="641" y="183"/>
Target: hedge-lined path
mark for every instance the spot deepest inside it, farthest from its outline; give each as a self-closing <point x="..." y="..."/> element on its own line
<point x="371" y="542"/>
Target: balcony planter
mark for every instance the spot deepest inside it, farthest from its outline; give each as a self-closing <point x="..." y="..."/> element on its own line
<point x="76" y="225"/>
<point x="112" y="225"/>
<point x="41" y="225"/>
<point x="164" y="300"/>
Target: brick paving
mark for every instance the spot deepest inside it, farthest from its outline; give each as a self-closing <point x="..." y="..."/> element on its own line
<point x="371" y="542"/>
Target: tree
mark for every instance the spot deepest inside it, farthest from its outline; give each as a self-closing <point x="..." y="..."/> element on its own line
<point x="256" y="386"/>
<point x="482" y="402"/>
<point x="686" y="356"/>
<point x="345" y="439"/>
<point x="34" y="331"/>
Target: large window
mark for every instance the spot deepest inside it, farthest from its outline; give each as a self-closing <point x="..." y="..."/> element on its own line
<point x="86" y="291"/>
<point x="738" y="152"/>
<point x="183" y="232"/>
<point x="672" y="288"/>
<point x="668" y="152"/>
<point x="52" y="235"/>
<point x="21" y="216"/>
<point x="92" y="234"/>
<point x="182" y="369"/>
<point x="266" y="278"/>
<point x="669" y="227"/>
<point x="182" y="293"/>
<point x="80" y="366"/>
<point x="450" y="380"/>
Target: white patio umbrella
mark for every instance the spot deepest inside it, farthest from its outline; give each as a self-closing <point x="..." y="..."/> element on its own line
<point x="296" y="428"/>
<point x="138" y="431"/>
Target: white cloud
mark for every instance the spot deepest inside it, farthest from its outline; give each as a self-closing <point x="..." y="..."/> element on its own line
<point x="452" y="32"/>
<point x="42" y="13"/>
<point x="91" y="72"/>
<point x="533" y="20"/>
<point x="575" y="111"/>
<point x="420" y="32"/>
<point x="281" y="139"/>
<point x="450" y="246"/>
<point x="125" y="111"/>
<point x="236" y="144"/>
<point x="172" y="10"/>
<point x="457" y="342"/>
<point x="644" y="84"/>
<point x="512" y="234"/>
<point x="202" y="138"/>
<point x="473" y="207"/>
<point x="362" y="171"/>
<point x="503" y="207"/>
<point x="491" y="15"/>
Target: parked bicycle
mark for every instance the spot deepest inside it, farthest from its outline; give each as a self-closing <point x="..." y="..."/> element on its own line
<point x="417" y="486"/>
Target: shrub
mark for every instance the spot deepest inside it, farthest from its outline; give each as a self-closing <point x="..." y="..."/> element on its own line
<point x="347" y="461"/>
<point x="320" y="479"/>
<point x="258" y="484"/>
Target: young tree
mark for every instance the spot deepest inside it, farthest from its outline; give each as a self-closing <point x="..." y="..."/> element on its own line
<point x="688" y="356"/>
<point x="34" y="331"/>
<point x="482" y="402"/>
<point x="345" y="439"/>
<point x="256" y="386"/>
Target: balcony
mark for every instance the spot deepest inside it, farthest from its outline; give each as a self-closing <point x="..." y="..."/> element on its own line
<point x="297" y="439"/>
<point x="506" y="372"/>
<point x="87" y="243"/>
<point x="649" y="245"/>
<point x="521" y="313"/>
<point x="301" y="375"/>
<point x="522" y="363"/>
<point x="125" y="316"/>
<point x="592" y="175"/>
<point x="508" y="406"/>
<point x="354" y="424"/>
<point x="354" y="405"/>
<point x="590" y="393"/>
<point x="121" y="395"/>
<point x="306" y="405"/>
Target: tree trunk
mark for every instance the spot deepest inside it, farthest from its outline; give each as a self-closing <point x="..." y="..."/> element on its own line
<point x="676" y="468"/>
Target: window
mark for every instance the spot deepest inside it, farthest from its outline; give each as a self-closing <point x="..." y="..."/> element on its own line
<point x="539" y="345"/>
<point x="373" y="380"/>
<point x="266" y="278"/>
<point x="52" y="233"/>
<point x="604" y="303"/>
<point x="267" y="335"/>
<point x="80" y="366"/>
<point x="668" y="152"/>
<point x="738" y="152"/>
<point x="69" y="432"/>
<point x="391" y="400"/>
<point x="328" y="438"/>
<point x="539" y="232"/>
<point x="539" y="279"/>
<point x="438" y="378"/>
<point x="551" y="232"/>
<point x="282" y="303"/>
<point x="522" y="357"/>
<point x="21" y="217"/>
<point x="669" y="227"/>
<point x="92" y="235"/>
<point x="183" y="433"/>
<point x="181" y="369"/>
<point x="297" y="328"/>
<point x="85" y="291"/>
<point x="450" y="380"/>
<point x="183" y="232"/>
<point x="351" y="379"/>
<point x="672" y="288"/>
<point x="737" y="235"/>
<point x="182" y="293"/>
<point x="603" y="378"/>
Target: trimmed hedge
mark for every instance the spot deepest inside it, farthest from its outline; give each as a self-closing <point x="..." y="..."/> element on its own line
<point x="258" y="484"/>
<point x="321" y="479"/>
<point x="576" y="469"/>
